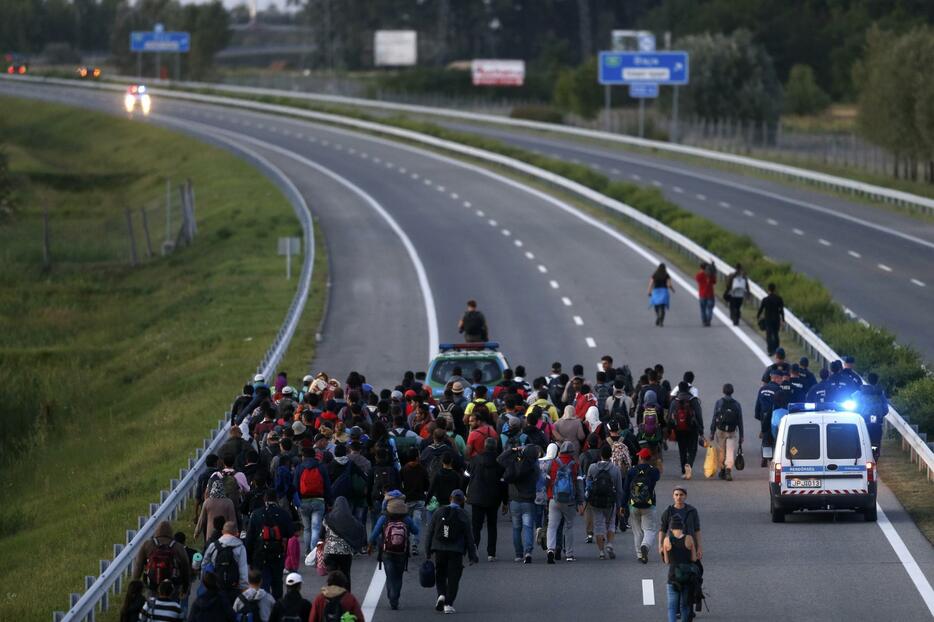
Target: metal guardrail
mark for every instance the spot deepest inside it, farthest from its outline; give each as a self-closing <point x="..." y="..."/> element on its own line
<point x="823" y="180"/>
<point x="84" y="607"/>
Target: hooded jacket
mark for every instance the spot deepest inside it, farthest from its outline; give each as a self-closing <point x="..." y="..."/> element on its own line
<point x="348" y="603"/>
<point x="486" y="487"/>
<point x="261" y="596"/>
<point x="522" y="472"/>
<point x="162" y="536"/>
<point x="212" y="606"/>
<point x="291" y="603"/>
<point x="465" y="544"/>
<point x="239" y="552"/>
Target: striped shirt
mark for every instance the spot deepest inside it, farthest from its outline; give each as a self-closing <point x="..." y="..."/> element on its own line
<point x="157" y="610"/>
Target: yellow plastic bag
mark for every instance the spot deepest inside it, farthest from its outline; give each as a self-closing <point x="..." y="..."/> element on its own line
<point x="711" y="461"/>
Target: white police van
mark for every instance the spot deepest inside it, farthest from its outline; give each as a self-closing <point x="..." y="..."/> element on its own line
<point x="822" y="460"/>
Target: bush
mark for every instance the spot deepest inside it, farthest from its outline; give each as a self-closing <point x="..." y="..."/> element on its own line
<point x="916" y="401"/>
<point x="875" y="350"/>
<point x="802" y="94"/>
<point x="577" y="90"/>
<point x="544" y="114"/>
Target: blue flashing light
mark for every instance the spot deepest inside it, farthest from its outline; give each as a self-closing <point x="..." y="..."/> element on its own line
<point x="488" y="345"/>
<point x="848" y="405"/>
<point x="797" y="407"/>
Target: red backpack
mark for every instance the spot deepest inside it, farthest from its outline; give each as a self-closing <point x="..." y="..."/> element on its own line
<point x="311" y="483"/>
<point x="395" y="537"/>
<point x="684" y="416"/>
<point x="161" y="565"/>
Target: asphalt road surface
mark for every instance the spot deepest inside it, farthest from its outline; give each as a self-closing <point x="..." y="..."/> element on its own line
<point x="877" y="262"/>
<point x="554" y="285"/>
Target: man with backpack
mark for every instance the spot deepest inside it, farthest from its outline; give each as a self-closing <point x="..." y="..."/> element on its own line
<point x="312" y="496"/>
<point x="383" y="478"/>
<point x="292" y="607"/>
<point x="602" y="390"/>
<point x="449" y="539"/>
<point x="269" y="529"/>
<point x="726" y="428"/>
<point x="651" y="433"/>
<point x="565" y="500"/>
<point x="619" y="406"/>
<point x="688" y="515"/>
<point x="521" y="473"/>
<point x="254" y="604"/>
<point x="394" y="534"/>
<point x="684" y="417"/>
<point x="604" y="489"/>
<point x="227" y="560"/>
<point x="639" y="490"/>
<point x="160" y="559"/>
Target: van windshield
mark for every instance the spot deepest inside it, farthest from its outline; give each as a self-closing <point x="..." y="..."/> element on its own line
<point x="803" y="442"/>
<point x="445" y="368"/>
<point x="842" y="441"/>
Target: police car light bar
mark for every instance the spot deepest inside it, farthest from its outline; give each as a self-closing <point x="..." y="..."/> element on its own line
<point x="480" y="345"/>
<point x="797" y="407"/>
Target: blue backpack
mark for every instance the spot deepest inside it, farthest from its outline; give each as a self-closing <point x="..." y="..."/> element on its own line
<point x="563" y="490"/>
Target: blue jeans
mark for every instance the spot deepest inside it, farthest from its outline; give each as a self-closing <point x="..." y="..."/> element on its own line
<point x="678" y="600"/>
<point x="394" y="566"/>
<point x="706" y="309"/>
<point x="312" y="513"/>
<point x="417" y="512"/>
<point x="539" y="515"/>
<point x="523" y="516"/>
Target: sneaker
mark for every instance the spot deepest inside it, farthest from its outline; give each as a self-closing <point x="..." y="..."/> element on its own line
<point x="517" y="560"/>
<point x="570" y="558"/>
<point x="589" y="538"/>
<point x="729" y="475"/>
<point x="602" y="555"/>
<point x="610" y="552"/>
<point x="644" y="554"/>
<point x="449" y="609"/>
<point x="722" y="474"/>
<point x="491" y="558"/>
<point x="551" y="557"/>
<point x="527" y="559"/>
<point x="439" y="606"/>
<point x="688" y="471"/>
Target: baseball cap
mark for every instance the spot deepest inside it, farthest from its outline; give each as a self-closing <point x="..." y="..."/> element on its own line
<point x="849" y="359"/>
<point x="287" y="390"/>
<point x="259" y="378"/>
<point x="410" y="393"/>
<point x="293" y="578"/>
<point x="780" y="353"/>
<point x="298" y="427"/>
<point x="307" y="380"/>
<point x="396" y="395"/>
<point x="804" y="362"/>
<point x="356" y="432"/>
<point x="457" y="493"/>
<point x="644" y="453"/>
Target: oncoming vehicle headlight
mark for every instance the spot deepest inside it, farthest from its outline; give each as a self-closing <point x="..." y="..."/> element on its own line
<point x="129" y="102"/>
<point x="145" y="103"/>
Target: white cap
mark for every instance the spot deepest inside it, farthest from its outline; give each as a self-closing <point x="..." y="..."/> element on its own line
<point x="293" y="578"/>
<point x="287" y="390"/>
<point x="259" y="378"/>
<point x="307" y="379"/>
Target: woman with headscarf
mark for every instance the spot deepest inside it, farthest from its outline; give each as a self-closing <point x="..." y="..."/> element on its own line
<point x="216" y="503"/>
<point x="345" y="536"/>
<point x="570" y="428"/>
<point x="660" y="288"/>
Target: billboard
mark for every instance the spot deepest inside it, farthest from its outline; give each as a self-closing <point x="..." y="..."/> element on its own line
<point x="497" y="72"/>
<point x="395" y="48"/>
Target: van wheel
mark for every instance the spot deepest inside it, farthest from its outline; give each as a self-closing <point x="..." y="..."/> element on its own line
<point x="870" y="513"/>
<point x="778" y="515"/>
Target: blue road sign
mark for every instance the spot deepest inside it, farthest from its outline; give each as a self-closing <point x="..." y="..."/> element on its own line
<point x="642" y="90"/>
<point x="644" y="67"/>
<point x="159" y="41"/>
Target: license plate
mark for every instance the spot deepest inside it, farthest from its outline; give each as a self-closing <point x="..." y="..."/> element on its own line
<point x="796" y="482"/>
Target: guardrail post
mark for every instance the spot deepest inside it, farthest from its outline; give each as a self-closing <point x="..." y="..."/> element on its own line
<point x="58" y="616"/>
<point x="74" y="598"/>
<point x="130" y="534"/>
<point x="141" y="520"/>
<point x="88" y="581"/>
<point x="153" y="508"/>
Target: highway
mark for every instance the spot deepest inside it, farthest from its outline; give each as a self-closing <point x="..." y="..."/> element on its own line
<point x="878" y="263"/>
<point x="411" y="235"/>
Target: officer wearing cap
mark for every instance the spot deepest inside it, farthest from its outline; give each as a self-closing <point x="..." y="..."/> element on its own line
<point x="842" y="385"/>
<point x="806" y="375"/>
<point x="780" y="363"/>
<point x="851" y="373"/>
<point x="796" y="382"/>
<point x="818" y="393"/>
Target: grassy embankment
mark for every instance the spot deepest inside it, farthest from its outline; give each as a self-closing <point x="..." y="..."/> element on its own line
<point x="111" y="375"/>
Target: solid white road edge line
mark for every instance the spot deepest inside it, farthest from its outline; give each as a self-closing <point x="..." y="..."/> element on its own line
<point x="648" y="592"/>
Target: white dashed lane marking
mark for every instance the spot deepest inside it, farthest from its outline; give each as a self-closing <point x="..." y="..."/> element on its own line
<point x="529" y="255"/>
<point x="517" y="243"/>
<point x="468" y="204"/>
<point x="427" y="182"/>
<point x="441" y="189"/>
<point x="882" y="266"/>
<point x="492" y="222"/>
<point x="578" y="320"/>
<point x="678" y="189"/>
<point x="454" y="196"/>
<point x="701" y="197"/>
<point x="590" y="342"/>
<point x="615" y="171"/>
<point x="634" y="175"/>
<point x="506" y="232"/>
<point x="554" y="284"/>
<point x="917" y="282"/>
<point x="542" y="269"/>
<point x="724" y="204"/>
<point x="798" y="231"/>
<point x="415" y="175"/>
<point x="648" y="592"/>
<point x="823" y="242"/>
<point x="566" y="301"/>
<point x="749" y="212"/>
<point x="656" y="183"/>
<point x="854" y="254"/>
<point x="480" y="213"/>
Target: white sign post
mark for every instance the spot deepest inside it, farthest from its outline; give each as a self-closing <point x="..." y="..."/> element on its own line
<point x="289" y="247"/>
<point x="395" y="48"/>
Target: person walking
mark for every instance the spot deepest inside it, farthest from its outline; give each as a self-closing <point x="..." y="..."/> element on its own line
<point x="486" y="492"/>
<point x="335" y="602"/>
<point x="639" y="490"/>
<point x="449" y="539"/>
<point x="771" y="317"/>
<point x="254" y="603"/>
<point x="521" y="474"/>
<point x="570" y="429"/>
<point x="604" y="488"/>
<point x="678" y="551"/>
<point x="737" y="290"/>
<point x="345" y="536"/>
<point x="565" y="500"/>
<point x="689" y="518"/>
<point x="473" y="324"/>
<point x="160" y="559"/>
<point x="687" y="421"/>
<point x="706" y="278"/>
<point x="163" y="607"/>
<point x="269" y="530"/>
<point x="292" y="606"/>
<point x="394" y="535"/>
<point x="765" y="402"/>
<point x="213" y="604"/>
<point x="228" y="560"/>
<point x="660" y="290"/>
<point x="726" y="428"/>
<point x="312" y="493"/>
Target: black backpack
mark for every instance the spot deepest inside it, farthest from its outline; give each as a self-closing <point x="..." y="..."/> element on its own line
<point x="603" y="490"/>
<point x="450" y="528"/>
<point x="249" y="610"/>
<point x="602" y="391"/>
<point x="641" y="489"/>
<point x="382" y="477"/>
<point x="226" y="567"/>
<point x="728" y="419"/>
<point x="333" y="612"/>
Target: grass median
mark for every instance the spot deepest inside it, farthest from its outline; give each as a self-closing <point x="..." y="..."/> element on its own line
<point x="113" y="374"/>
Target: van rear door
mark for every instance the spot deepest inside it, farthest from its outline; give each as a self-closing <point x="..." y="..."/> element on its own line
<point x="802" y="459"/>
<point x="844" y="462"/>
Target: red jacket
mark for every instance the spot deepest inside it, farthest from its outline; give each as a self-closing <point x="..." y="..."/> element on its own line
<point x="348" y="603"/>
<point x="553" y="471"/>
<point x="477" y="438"/>
<point x="582" y="404"/>
<point x="705" y="284"/>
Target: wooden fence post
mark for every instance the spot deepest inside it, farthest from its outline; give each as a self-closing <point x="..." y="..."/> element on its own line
<point x="134" y="260"/>
<point x="142" y="211"/>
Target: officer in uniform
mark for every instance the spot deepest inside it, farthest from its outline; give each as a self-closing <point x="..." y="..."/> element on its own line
<point x="764" y="403"/>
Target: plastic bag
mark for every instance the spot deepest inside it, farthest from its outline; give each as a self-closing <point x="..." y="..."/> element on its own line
<point x="320" y="566"/>
<point x="711" y="461"/>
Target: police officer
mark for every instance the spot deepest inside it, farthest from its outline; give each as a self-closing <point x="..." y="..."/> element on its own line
<point x="780" y="363"/>
<point x="799" y="390"/>
<point x="851" y="373"/>
<point x="842" y="385"/>
<point x="818" y="393"/>
<point x="873" y="406"/>
<point x="806" y="376"/>
<point x="764" y="401"/>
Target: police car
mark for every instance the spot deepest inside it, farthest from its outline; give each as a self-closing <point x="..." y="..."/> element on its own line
<point x="484" y="356"/>
<point x="822" y="460"/>
<point x="137" y="95"/>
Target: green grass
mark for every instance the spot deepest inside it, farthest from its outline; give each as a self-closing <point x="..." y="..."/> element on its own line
<point x="112" y="375"/>
<point x="910" y="485"/>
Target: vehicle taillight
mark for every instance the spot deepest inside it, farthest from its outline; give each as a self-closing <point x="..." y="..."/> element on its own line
<point x="778" y="473"/>
<point x="870" y="472"/>
<point x="9" y="69"/>
<point x="22" y="69"/>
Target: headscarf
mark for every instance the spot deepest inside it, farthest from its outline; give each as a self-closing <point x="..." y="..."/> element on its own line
<point x="650" y="398"/>
<point x="569" y="412"/>
<point x="551" y="453"/>
<point x="593" y="418"/>
<point x="343" y="523"/>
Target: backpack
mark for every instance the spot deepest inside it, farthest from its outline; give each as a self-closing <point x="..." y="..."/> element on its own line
<point x="249" y="610"/>
<point x="450" y="528"/>
<point x="555" y="390"/>
<point x="650" y="430"/>
<point x="231" y="487"/>
<point x="311" y="483"/>
<point x="603" y="490"/>
<point x="382" y="481"/>
<point x="684" y="416"/>
<point x="395" y="537"/>
<point x="161" y="565"/>
<point x="404" y="442"/>
<point x="563" y="490"/>
<point x="333" y="611"/>
<point x="226" y="567"/>
<point x="728" y="419"/>
<point x="620" y="412"/>
<point x="602" y="391"/>
<point x="293" y="613"/>
<point x="434" y="466"/>
<point x="623" y="373"/>
<point x="446" y="413"/>
<point x="271" y="547"/>
<point x="641" y="489"/>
